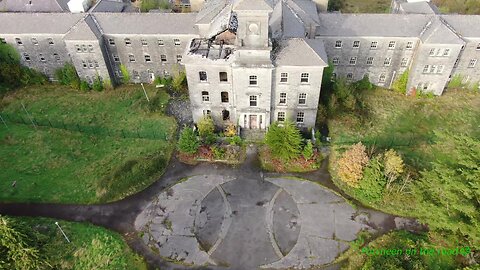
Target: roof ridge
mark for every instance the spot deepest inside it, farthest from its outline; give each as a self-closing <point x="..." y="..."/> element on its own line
<point x="75" y="24"/>
<point x="305" y="41"/>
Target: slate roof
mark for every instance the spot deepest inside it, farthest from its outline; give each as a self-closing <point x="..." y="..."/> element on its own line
<point x="109" y="6"/>
<point x="37" y="23"/>
<point x="419" y="8"/>
<point x="146" y="23"/>
<point x="85" y="29"/>
<point x="211" y="9"/>
<point x="372" y="25"/>
<point x="465" y="25"/>
<point x="301" y="52"/>
<point x="256" y="5"/>
<point x="36" y="6"/>
<point x="437" y="32"/>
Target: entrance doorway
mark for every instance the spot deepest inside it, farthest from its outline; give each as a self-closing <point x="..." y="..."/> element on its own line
<point x="253" y="122"/>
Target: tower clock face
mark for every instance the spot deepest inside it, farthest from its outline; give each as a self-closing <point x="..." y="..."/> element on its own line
<point x="253" y="28"/>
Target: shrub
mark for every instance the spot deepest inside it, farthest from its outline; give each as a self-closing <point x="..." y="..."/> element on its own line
<point x="188" y="142"/>
<point x="179" y="83"/>
<point x="97" y="84"/>
<point x="147" y="5"/>
<point x="393" y="166"/>
<point x="67" y="75"/>
<point x="206" y="127"/>
<point x="350" y="166"/>
<point x="125" y="74"/>
<point x="218" y="152"/>
<point x="456" y="82"/>
<point x="363" y="84"/>
<point x="235" y="140"/>
<point x="284" y="142"/>
<point x="84" y="86"/>
<point x="230" y="130"/>
<point x="372" y="184"/>
<point x="308" y="150"/>
<point x="400" y="84"/>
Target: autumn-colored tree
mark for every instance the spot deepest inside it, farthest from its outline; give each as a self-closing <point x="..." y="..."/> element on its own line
<point x="350" y="166"/>
<point x="206" y="127"/>
<point x="393" y="166"/>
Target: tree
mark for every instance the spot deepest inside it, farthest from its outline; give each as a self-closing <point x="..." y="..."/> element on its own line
<point x="372" y="184"/>
<point x="125" y="74"/>
<point x="308" y="150"/>
<point x="97" y="84"/>
<point x="350" y="166"/>
<point x="400" y="84"/>
<point x="393" y="166"/>
<point x="67" y="75"/>
<point x="188" y="142"/>
<point x="179" y="82"/>
<point x="206" y="127"/>
<point x="284" y="141"/>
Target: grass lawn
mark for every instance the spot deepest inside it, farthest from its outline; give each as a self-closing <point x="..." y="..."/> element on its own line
<point x="383" y="6"/>
<point x="92" y="154"/>
<point x="91" y="247"/>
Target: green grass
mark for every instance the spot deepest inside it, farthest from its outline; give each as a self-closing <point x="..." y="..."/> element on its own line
<point x="91" y="247"/>
<point x="383" y="6"/>
<point x="64" y="165"/>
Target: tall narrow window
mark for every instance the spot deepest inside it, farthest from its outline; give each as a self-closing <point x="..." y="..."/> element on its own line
<point x="163" y="58"/>
<point x="387" y="61"/>
<point x="176" y="41"/>
<point x="147" y="58"/>
<point x="128" y="42"/>
<point x="225" y="115"/>
<point x="426" y="68"/>
<point x="281" y="117"/>
<point x="131" y="58"/>
<point x="304" y="77"/>
<point x="95" y="62"/>
<point x="374" y="45"/>
<point x="179" y="58"/>
<point x="252" y="79"/>
<point x="283" y="99"/>
<point x="338" y="44"/>
<point x="283" y="77"/>
<point x="50" y="41"/>
<point x="404" y="62"/>
<point x="302" y="99"/>
<point x="90" y="48"/>
<point x="356" y="44"/>
<point x="224" y="96"/>
<point x="144" y="42"/>
<point x="300" y="117"/>
<point x="84" y="64"/>
<point x="382" y="78"/>
<point x="223" y="76"/>
<point x="472" y="63"/>
<point x="446" y="52"/>
<point x="205" y="96"/>
<point x="203" y="76"/>
<point x="111" y="41"/>
<point x="253" y="101"/>
<point x="370" y="61"/>
<point x="353" y="61"/>
<point x="409" y="45"/>
<point x="391" y="45"/>
<point x="335" y="61"/>
<point x="432" y="52"/>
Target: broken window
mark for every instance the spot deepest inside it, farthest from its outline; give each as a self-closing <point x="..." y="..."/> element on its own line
<point x="225" y="115"/>
<point x="224" y="96"/>
<point x="203" y="76"/>
<point x="223" y="76"/>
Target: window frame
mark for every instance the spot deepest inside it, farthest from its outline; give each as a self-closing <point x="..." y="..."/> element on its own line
<point x="224" y="97"/>
<point x="144" y="42"/>
<point x="356" y="44"/>
<point x="177" y="42"/>
<point x="302" y="98"/>
<point x="305" y="77"/>
<point x="26" y="57"/>
<point x="131" y="58"/>
<point x="472" y="63"/>
<point x="336" y="61"/>
<point x="409" y="45"/>
<point x="281" y="117"/>
<point x="202" y="76"/>
<point x="282" y="100"/>
<point x="19" y="41"/>
<point x="338" y="44"/>
<point x="374" y="45"/>
<point x="50" y="41"/>
<point x="179" y="58"/>
<point x="222" y="76"/>
<point x="370" y="60"/>
<point x="392" y="44"/>
<point x="252" y="80"/>
<point x="128" y="42"/>
<point x="205" y="96"/>
<point x="382" y="78"/>
<point x="163" y="58"/>
<point x="387" y="62"/>
<point x="283" y="77"/>
<point x="404" y="62"/>
<point x="147" y="58"/>
<point x="300" y="116"/>
<point x="253" y="100"/>
<point x="111" y="42"/>
<point x="353" y="61"/>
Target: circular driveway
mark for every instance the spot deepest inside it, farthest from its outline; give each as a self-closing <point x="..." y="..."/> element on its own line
<point x="248" y="223"/>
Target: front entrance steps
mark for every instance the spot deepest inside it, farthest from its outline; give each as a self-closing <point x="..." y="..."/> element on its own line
<point x="254" y="135"/>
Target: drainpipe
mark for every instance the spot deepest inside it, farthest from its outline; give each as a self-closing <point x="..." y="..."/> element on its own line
<point x="393" y="78"/>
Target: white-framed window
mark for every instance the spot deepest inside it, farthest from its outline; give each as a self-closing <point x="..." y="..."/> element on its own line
<point x="440" y="69"/>
<point x="18" y="41"/>
<point x="283" y="77"/>
<point x="223" y="76"/>
<point x="34" y="41"/>
<point x="253" y="101"/>
<point x="432" y="52"/>
<point x="84" y="48"/>
<point x="205" y="96"/>
<point x="144" y="42"/>
<point x="426" y="68"/>
<point x="387" y="62"/>
<point x="90" y="64"/>
<point x="148" y="58"/>
<point x="391" y="45"/>
<point x="78" y="48"/>
<point x="433" y="68"/>
<point x="90" y="48"/>
<point x="356" y="44"/>
<point x="423" y="86"/>
<point x="404" y="62"/>
<point x="179" y="58"/>
<point x="353" y="61"/>
<point x="56" y="57"/>
<point x="409" y="45"/>
<point x="161" y="42"/>
<point x="131" y="58"/>
<point x="446" y="52"/>
<point x="304" y="77"/>
<point x="472" y="63"/>
<point x="382" y="78"/>
<point x="252" y="80"/>
<point x="374" y="45"/>
<point x="111" y="42"/>
<point x="300" y="117"/>
<point x="41" y="57"/>
<point x="202" y="76"/>
<point x="163" y="58"/>
<point x="335" y="61"/>
<point x="26" y="57"/>
<point x="50" y="41"/>
<point x="128" y="42"/>
<point x="338" y="44"/>
<point x="283" y="99"/>
<point x="207" y="112"/>
<point x="116" y="58"/>
<point x="95" y="63"/>
<point x="370" y="61"/>
<point x="176" y="41"/>
<point x="281" y="116"/>
<point x="350" y="76"/>
<point x="302" y="98"/>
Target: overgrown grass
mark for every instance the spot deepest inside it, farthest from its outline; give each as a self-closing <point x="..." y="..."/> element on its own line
<point x="58" y="165"/>
<point x="383" y="6"/>
<point x="91" y="247"/>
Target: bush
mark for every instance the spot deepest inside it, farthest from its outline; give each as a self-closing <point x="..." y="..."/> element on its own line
<point x="350" y="166"/>
<point x="393" y="166"/>
<point x="218" y="152"/>
<point x="284" y="142"/>
<point x="147" y="5"/>
<point x="372" y="184"/>
<point x="235" y="140"/>
<point x="188" y="142"/>
<point x="400" y="84"/>
<point x="230" y="130"/>
<point x="206" y="127"/>
<point x="308" y="150"/>
<point x="125" y="74"/>
<point x="97" y="84"/>
<point x="363" y="84"/>
<point x="84" y="86"/>
<point x="179" y="83"/>
<point x="68" y="76"/>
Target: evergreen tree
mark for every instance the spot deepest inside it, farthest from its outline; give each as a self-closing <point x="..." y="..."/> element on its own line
<point x="188" y="142"/>
<point x="308" y="150"/>
<point x="284" y="142"/>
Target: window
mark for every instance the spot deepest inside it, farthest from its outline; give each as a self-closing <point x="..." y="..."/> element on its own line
<point x="18" y="41"/>
<point x="90" y="48"/>
<point x="432" y="52"/>
<point x="253" y="101"/>
<point x="3" y="41"/>
<point x="225" y="115"/>
<point x="223" y="76"/>
<point x="56" y="57"/>
<point x="136" y="76"/>
<point x="144" y="42"/>
<point x="84" y="48"/>
<point x="382" y="78"/>
<point x="90" y="64"/>
<point x="304" y="77"/>
<point x="34" y="41"/>
<point x="349" y="76"/>
<point x="116" y="58"/>
<point x="148" y="59"/>
<point x="163" y="58"/>
<point x="205" y="96"/>
<point x="335" y="61"/>
<point x="472" y="63"/>
<point x="302" y="99"/>
<point x="446" y="52"/>
<point x="78" y="48"/>
<point x="433" y="68"/>
<point x="176" y="41"/>
<point x="334" y="77"/>
<point x="374" y="45"/>
<point x="42" y="58"/>
<point x="356" y="44"/>
<point x="179" y="58"/>
<point x="50" y="41"/>
<point x="426" y="68"/>
<point x="283" y="77"/>
<point x="203" y="76"/>
<point x="300" y="117"/>
<point x="353" y="61"/>
<point x="131" y="58"/>
<point x="281" y="116"/>
<point x="387" y="61"/>
<point x="283" y="99"/>
<point x="370" y="61"/>
<point x="26" y="57"/>
<point x="206" y="112"/>
<point x="160" y="42"/>
<point x="111" y="41"/>
<point x="96" y="63"/>
<point x="391" y="45"/>
<point x="338" y="44"/>
<point x="440" y="69"/>
<point x="252" y="79"/>
<point x="404" y="62"/>
<point x="84" y="64"/>
<point x="128" y="42"/>
<point x="409" y="45"/>
<point x="224" y="96"/>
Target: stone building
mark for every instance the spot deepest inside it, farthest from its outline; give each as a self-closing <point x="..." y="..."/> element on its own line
<point x="252" y="62"/>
